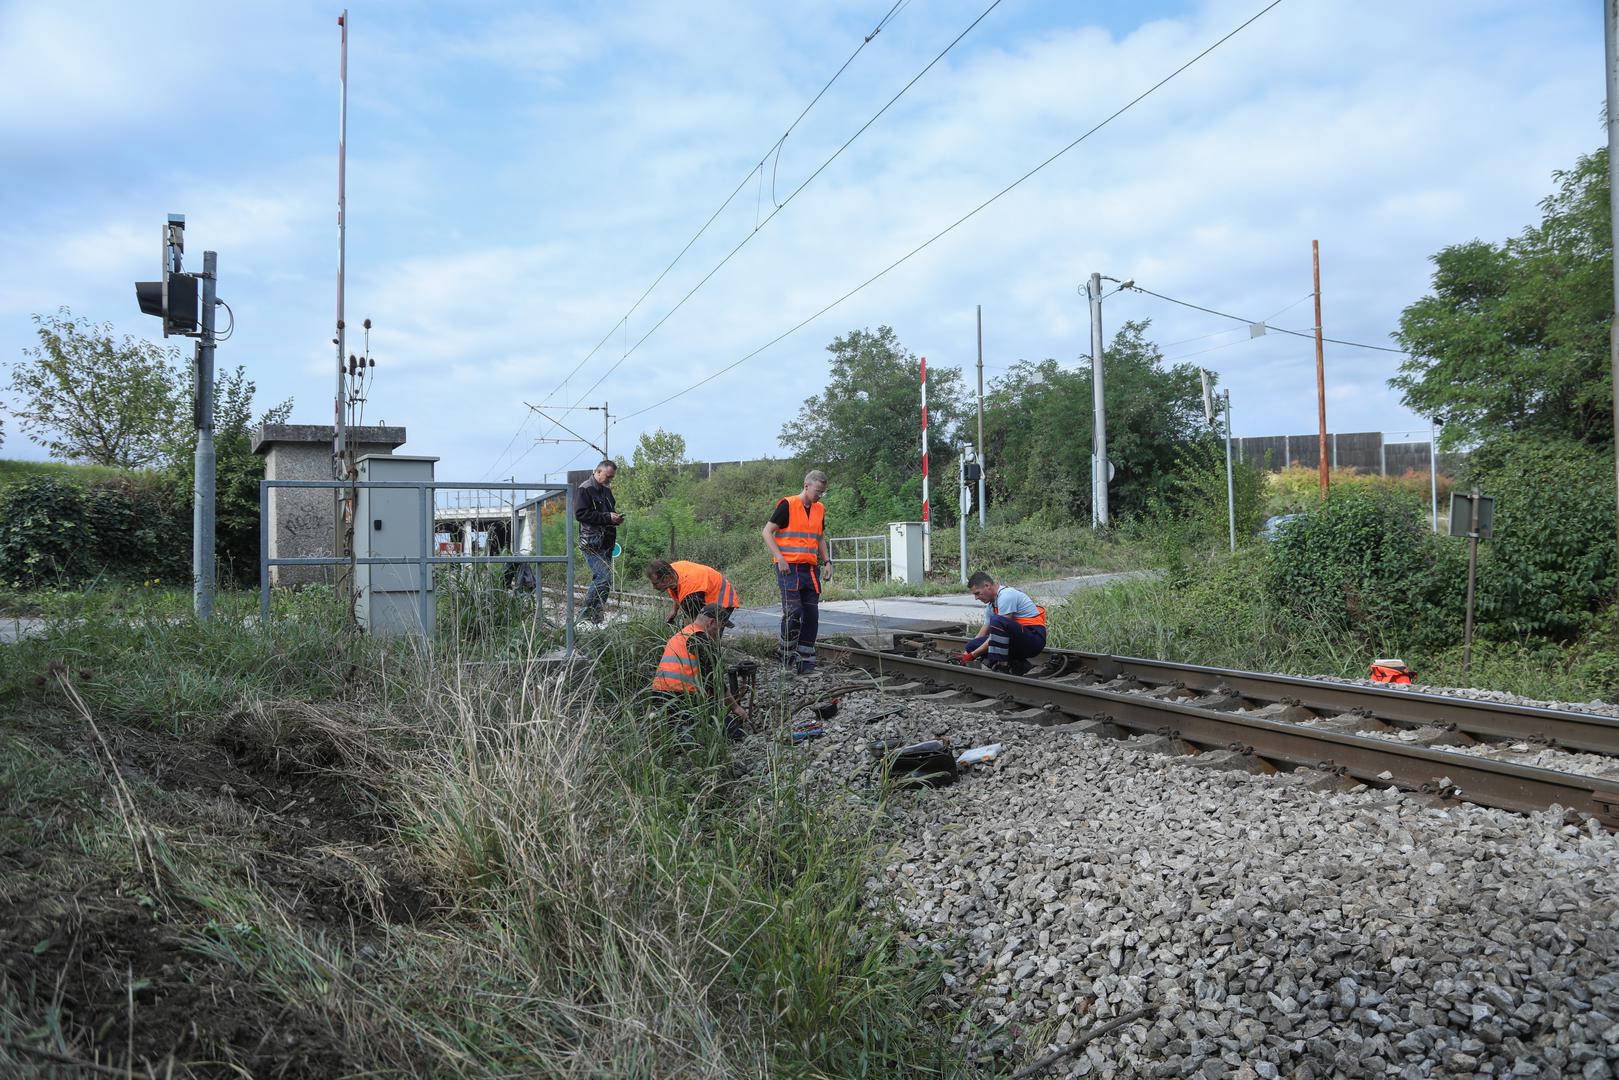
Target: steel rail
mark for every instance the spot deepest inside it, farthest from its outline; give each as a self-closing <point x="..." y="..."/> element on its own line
<point x="1409" y="708"/>
<point x="1374" y="761"/>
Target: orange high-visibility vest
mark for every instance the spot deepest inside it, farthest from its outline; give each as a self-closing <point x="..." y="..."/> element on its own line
<point x="677" y="670"/>
<point x="799" y="541"/>
<point x="697" y="578"/>
<point x="1031" y="620"/>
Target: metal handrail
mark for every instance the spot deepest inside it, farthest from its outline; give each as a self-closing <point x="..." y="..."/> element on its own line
<point x="862" y="559"/>
<point x="424" y="561"/>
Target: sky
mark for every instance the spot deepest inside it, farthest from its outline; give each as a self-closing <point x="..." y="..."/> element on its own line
<point x="518" y="175"/>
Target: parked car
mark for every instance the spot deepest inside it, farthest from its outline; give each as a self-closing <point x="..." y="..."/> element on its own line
<point x="1274" y="525"/>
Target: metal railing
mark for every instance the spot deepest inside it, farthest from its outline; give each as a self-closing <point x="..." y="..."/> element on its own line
<point x="862" y="557"/>
<point x="425" y="560"/>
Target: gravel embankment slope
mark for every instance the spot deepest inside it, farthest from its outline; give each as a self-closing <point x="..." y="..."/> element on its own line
<point x="1276" y="926"/>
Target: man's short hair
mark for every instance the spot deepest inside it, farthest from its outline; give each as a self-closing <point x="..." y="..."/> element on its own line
<point x="717" y="613"/>
<point x="605" y="463"/>
<point x="978" y="579"/>
<point x="658" y="568"/>
<point x="815" y="476"/>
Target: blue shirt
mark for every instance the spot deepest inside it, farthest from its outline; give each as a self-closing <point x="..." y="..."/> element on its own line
<point x="1008" y="601"/>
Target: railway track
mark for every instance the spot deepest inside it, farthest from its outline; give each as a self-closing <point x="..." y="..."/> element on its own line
<point x="1440" y="720"/>
<point x="1266" y="719"/>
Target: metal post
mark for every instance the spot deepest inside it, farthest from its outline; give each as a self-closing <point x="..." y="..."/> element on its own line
<point x="1230" y="485"/>
<point x="1433" y="471"/>
<point x="962" y="495"/>
<point x="606" y="423"/>
<point x="1382" y="455"/>
<point x="927" y="516"/>
<point x="1472" y="576"/>
<point x="981" y="475"/>
<point x="423" y="567"/>
<point x="1099" y="443"/>
<point x="1320" y="366"/>
<point x="567" y="533"/>
<point x="339" y="435"/>
<point x="1610" y="39"/>
<point x="202" y="526"/>
<point x="264" y="554"/>
<point x="1334" y="449"/>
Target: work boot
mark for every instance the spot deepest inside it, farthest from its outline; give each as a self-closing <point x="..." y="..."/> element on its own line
<point x="1018" y="666"/>
<point x="593" y="616"/>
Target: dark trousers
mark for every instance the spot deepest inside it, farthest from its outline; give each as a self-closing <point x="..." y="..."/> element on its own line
<point x="1010" y="640"/>
<point x="800" y="615"/>
<point x="601" y="577"/>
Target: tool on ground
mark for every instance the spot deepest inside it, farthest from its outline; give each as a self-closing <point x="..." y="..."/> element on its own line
<point x="1390" y="671"/>
<point x="923" y="764"/>
<point x="807" y="729"/>
<point x="743" y="673"/>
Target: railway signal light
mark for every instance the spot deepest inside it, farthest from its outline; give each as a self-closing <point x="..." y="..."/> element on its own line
<point x="173" y="298"/>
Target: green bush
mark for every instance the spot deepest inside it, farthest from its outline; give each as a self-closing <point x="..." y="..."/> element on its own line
<point x="58" y="532"/>
<point x="1550" y="564"/>
<point x="1365" y="562"/>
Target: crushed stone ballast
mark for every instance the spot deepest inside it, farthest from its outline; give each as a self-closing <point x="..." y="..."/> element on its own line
<point x="1267" y="743"/>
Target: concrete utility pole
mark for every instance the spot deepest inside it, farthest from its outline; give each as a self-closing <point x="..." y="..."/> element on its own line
<point x="1099" y="443"/>
<point x="1320" y="364"/>
<point x="1610" y="38"/>
<point x="981" y="475"/>
<point x="963" y="495"/>
<point x="202" y="502"/>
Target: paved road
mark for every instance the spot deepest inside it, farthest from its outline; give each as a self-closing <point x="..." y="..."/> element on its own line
<point x="14" y="629"/>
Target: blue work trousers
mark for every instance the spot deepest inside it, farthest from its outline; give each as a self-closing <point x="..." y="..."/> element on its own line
<point x="800" y="615"/>
<point x="1010" y="640"/>
<point x="601" y="578"/>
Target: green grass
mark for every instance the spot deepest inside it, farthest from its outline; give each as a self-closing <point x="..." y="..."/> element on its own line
<point x="1214" y="611"/>
<point x="13" y="470"/>
<point x="605" y="899"/>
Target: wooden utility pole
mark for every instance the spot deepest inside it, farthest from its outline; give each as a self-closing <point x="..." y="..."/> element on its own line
<point x="1320" y="365"/>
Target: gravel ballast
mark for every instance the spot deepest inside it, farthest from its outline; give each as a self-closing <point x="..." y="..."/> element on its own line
<point x="1273" y="924"/>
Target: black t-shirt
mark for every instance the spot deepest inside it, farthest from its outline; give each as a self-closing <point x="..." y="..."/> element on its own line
<point x="780" y="518"/>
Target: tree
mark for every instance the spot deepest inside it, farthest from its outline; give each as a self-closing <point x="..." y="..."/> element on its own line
<point x="1038" y="424"/>
<point x="85" y="397"/>
<point x="656" y="465"/>
<point x="868" y="418"/>
<point x="1514" y="338"/>
<point x="237" y="469"/>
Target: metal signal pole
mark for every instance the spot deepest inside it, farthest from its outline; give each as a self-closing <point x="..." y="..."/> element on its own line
<point x="339" y="435"/>
<point x="981" y="475"/>
<point x="1099" y="446"/>
<point x="1320" y="365"/>
<point x="202" y="525"/>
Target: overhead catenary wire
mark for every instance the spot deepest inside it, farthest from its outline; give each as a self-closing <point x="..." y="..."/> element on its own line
<point x="964" y="218"/>
<point x="1279" y="329"/>
<point x="758" y="168"/>
<point x="791" y="196"/>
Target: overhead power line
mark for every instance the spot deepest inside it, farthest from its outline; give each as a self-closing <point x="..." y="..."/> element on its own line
<point x="758" y="168"/>
<point x="964" y="218"/>
<point x="793" y="195"/>
<point x="1279" y="329"/>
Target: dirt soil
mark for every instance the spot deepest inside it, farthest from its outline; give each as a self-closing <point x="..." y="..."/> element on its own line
<point x="119" y="971"/>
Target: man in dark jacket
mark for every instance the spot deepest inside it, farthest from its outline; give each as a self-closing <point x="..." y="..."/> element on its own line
<point x="593" y="508"/>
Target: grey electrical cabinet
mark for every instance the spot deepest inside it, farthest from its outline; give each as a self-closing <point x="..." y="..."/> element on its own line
<point x="394" y="523"/>
<point x="905" y="551"/>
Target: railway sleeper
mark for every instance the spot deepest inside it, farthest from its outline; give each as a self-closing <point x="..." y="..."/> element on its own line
<point x="1353" y="722"/>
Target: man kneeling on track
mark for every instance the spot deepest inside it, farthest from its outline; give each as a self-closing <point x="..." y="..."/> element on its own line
<point x="692" y="586"/>
<point x="689" y="676"/>
<point x="1014" y="627"/>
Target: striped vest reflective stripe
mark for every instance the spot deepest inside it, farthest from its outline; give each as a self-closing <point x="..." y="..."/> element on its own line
<point x="799" y="541"/>
<point x="697" y="578"/>
<point x="677" y="670"/>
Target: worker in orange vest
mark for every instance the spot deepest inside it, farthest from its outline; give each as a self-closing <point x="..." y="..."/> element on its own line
<point x="796" y="537"/>
<point x="692" y="585"/>
<point x="1014" y="627"/>
<point x="689" y="676"/>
